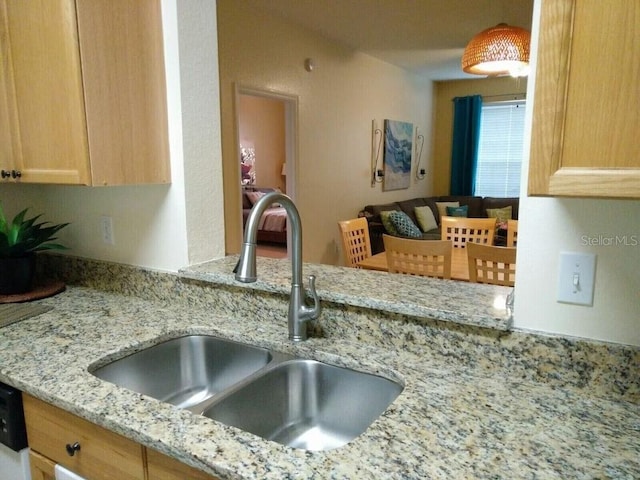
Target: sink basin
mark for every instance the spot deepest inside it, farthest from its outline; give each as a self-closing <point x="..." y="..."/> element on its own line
<point x="307" y="404"/>
<point x="293" y="401"/>
<point x="186" y="371"/>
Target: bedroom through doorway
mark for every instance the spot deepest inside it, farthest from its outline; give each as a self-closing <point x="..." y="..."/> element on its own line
<point x="266" y="136"/>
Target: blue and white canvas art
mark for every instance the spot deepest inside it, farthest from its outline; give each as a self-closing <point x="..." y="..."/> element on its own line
<point x="398" y="149"/>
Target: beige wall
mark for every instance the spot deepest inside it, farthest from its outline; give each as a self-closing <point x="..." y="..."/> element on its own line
<point x="261" y="124"/>
<point x="444" y="93"/>
<point x="337" y="102"/>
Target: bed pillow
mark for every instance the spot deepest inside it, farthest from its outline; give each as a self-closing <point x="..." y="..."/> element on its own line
<point x="404" y="225"/>
<point x="462" y="211"/>
<point x="500" y="214"/>
<point x="254" y="196"/>
<point x="386" y="221"/>
<point x="442" y="207"/>
<point x="425" y="218"/>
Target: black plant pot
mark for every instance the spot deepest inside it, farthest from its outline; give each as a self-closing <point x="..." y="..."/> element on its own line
<point x="16" y="274"/>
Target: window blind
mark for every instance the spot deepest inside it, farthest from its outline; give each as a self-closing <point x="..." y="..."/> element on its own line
<point x="500" y="149"/>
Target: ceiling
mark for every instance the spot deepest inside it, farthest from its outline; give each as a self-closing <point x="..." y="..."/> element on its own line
<point x="426" y="37"/>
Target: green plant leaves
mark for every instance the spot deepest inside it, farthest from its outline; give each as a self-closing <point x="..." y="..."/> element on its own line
<point x="21" y="236"/>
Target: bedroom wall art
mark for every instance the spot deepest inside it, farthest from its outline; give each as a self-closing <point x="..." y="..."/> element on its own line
<point x="398" y="149"/>
<point x="247" y="164"/>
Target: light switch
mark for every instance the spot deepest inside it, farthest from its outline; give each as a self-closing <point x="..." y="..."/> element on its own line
<point x="106" y="227"/>
<point x="576" y="278"/>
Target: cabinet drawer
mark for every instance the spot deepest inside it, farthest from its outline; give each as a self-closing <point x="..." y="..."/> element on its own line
<point x="102" y="454"/>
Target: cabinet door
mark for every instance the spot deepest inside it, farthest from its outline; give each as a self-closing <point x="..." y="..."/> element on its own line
<point x="122" y="54"/>
<point x="9" y="144"/>
<point x="162" y="467"/>
<point x="585" y="121"/>
<point x="100" y="455"/>
<point x="82" y="92"/>
<point x="41" y="467"/>
<point x="45" y="64"/>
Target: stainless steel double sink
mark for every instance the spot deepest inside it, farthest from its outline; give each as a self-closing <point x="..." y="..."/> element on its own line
<point x="296" y="402"/>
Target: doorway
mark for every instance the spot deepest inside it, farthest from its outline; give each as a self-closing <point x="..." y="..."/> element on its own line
<point x="267" y="140"/>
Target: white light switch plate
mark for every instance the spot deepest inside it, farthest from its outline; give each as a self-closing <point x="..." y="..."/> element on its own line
<point x="106" y="227"/>
<point x="576" y="278"/>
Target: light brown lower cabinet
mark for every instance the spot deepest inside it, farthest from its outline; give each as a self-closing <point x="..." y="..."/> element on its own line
<point x="56" y="436"/>
<point x="42" y="468"/>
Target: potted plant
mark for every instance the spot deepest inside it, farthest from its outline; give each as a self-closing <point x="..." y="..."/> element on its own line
<point x="20" y="239"/>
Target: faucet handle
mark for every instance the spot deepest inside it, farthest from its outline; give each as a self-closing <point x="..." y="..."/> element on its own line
<point x="315" y="312"/>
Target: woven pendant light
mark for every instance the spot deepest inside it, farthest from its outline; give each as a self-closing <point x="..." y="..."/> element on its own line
<point x="499" y="50"/>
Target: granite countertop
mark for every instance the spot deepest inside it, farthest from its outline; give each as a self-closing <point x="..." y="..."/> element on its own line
<point x="446" y="300"/>
<point x="449" y="421"/>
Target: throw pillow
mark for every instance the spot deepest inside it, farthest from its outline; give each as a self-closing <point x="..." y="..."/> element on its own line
<point x="386" y="221"/>
<point x="425" y="217"/>
<point x="254" y="196"/>
<point x="458" y="211"/>
<point x="404" y="225"/>
<point x="500" y="214"/>
<point x="442" y="207"/>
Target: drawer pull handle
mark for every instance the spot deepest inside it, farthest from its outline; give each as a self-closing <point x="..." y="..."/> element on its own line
<point x="6" y="173"/>
<point x="72" y="449"/>
<point x="16" y="173"/>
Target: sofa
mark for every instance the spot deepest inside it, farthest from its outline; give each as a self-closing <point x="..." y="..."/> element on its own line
<point x="476" y="208"/>
<point x="273" y="223"/>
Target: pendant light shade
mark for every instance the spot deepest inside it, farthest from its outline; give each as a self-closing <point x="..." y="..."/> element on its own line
<point x="499" y="50"/>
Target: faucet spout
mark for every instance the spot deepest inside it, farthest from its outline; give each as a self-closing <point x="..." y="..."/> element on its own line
<point x="299" y="312"/>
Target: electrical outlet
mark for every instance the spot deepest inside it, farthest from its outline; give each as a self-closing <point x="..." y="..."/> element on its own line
<point x="576" y="278"/>
<point x="106" y="225"/>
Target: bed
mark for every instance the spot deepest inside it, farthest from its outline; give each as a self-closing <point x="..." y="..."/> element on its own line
<point x="272" y="227"/>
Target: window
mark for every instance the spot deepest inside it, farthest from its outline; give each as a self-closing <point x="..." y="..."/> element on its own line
<point x="500" y="149"/>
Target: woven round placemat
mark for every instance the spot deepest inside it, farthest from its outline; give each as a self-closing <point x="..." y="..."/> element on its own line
<point x="47" y="289"/>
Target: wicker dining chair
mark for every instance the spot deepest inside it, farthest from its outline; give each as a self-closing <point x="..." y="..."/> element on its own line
<point x="426" y="258"/>
<point x="356" y="244"/>
<point x="463" y="230"/>
<point x="491" y="264"/>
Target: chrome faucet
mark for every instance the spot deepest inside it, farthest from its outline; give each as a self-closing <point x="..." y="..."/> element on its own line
<point x="299" y="313"/>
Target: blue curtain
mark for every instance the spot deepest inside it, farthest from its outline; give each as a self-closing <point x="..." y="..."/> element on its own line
<point x="464" y="150"/>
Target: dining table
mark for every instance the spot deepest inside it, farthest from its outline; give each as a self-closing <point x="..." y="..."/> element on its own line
<point x="459" y="263"/>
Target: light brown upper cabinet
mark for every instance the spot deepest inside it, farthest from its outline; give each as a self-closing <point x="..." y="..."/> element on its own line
<point x="586" y="127"/>
<point x="83" y="96"/>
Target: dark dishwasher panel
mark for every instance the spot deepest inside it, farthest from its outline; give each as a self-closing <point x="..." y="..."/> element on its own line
<point x="12" y="430"/>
